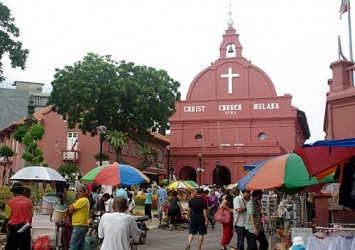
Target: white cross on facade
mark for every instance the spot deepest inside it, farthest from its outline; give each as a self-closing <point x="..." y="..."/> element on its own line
<point x="230" y="76"/>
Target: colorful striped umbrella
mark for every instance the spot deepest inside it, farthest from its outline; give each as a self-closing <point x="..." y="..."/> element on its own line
<point x="180" y="185"/>
<point x="286" y="173"/>
<point x="115" y="174"/>
<point x="192" y="183"/>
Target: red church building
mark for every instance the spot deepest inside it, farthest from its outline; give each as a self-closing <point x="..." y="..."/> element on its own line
<point x="232" y="115"/>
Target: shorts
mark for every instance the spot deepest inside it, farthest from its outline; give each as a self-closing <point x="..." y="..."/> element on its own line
<point x="197" y="227"/>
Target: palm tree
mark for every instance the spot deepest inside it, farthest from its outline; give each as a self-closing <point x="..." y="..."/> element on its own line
<point x="148" y="154"/>
<point x="118" y="140"/>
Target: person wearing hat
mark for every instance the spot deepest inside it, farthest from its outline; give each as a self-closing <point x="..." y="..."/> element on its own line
<point x="18" y="212"/>
<point x="80" y="210"/>
<point x="298" y="243"/>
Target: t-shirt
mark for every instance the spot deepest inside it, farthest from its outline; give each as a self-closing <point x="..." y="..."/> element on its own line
<point x="162" y="194"/>
<point x="318" y="242"/>
<point x="197" y="205"/>
<point x="131" y="205"/>
<point x="239" y="217"/>
<point x="121" y="193"/>
<point x="100" y="206"/>
<point x="81" y="213"/>
<point x="19" y="210"/>
<point x="213" y="200"/>
<point x="116" y="230"/>
<point x="173" y="204"/>
<point x="148" y="198"/>
<point x="253" y="209"/>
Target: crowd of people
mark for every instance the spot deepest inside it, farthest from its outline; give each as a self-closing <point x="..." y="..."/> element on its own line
<point x="117" y="226"/>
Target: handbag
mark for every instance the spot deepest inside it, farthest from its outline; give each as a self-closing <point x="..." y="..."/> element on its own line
<point x="222" y="216"/>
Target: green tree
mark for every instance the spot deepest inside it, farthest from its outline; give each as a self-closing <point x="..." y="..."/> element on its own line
<point x="9" y="34"/>
<point x="148" y="155"/>
<point x="7" y="153"/>
<point x="118" y="140"/>
<point x="122" y="96"/>
<point x="32" y="154"/>
<point x="70" y="170"/>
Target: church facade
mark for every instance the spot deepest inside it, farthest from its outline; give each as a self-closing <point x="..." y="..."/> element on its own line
<point x="232" y="115"/>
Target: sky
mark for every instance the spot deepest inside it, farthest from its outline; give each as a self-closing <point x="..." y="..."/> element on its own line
<point x="292" y="41"/>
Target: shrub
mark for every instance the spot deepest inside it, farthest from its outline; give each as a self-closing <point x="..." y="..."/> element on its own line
<point x="140" y="199"/>
<point x="5" y="195"/>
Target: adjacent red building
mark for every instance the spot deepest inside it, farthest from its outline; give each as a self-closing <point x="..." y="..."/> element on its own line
<point x="231" y="116"/>
<point x="60" y="145"/>
<point x="339" y="121"/>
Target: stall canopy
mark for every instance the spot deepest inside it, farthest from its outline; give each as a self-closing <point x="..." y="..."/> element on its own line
<point x="287" y="173"/>
<point x="323" y="155"/>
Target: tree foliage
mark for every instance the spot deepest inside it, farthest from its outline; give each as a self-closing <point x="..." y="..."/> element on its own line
<point x="32" y="154"/>
<point x="118" y="141"/>
<point x="148" y="155"/>
<point x="6" y="152"/>
<point x="120" y="95"/>
<point x="9" y="34"/>
<point x="69" y="169"/>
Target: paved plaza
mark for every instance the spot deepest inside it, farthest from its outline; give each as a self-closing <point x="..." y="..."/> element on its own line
<point x="169" y="240"/>
<point x="159" y="239"/>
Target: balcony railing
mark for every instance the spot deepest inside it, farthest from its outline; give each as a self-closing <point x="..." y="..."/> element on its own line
<point x="69" y="155"/>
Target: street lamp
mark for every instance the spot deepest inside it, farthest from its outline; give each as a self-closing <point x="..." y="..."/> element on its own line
<point x="200" y="168"/>
<point x="102" y="131"/>
<point x="168" y="168"/>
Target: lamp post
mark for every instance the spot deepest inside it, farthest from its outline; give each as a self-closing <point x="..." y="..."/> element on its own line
<point x="102" y="132"/>
<point x="168" y="168"/>
<point x="200" y="168"/>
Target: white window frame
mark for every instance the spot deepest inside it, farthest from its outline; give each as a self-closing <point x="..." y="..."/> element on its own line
<point x="71" y="139"/>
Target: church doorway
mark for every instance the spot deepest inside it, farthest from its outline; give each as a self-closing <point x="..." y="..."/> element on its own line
<point x="221" y="176"/>
<point x="188" y="173"/>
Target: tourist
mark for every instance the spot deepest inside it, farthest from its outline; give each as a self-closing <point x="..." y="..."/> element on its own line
<point x="161" y="197"/>
<point x="62" y="187"/>
<point x="18" y="212"/>
<point x="198" y="219"/>
<point x="131" y="203"/>
<point x="117" y="228"/>
<point x="227" y="204"/>
<point x="100" y="205"/>
<point x="174" y="211"/>
<point x="80" y="210"/>
<point x="240" y="216"/>
<point x="253" y="224"/>
<point x="148" y="203"/>
<point x="121" y="192"/>
<point x="212" y="207"/>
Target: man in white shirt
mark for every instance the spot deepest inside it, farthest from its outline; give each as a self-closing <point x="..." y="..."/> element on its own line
<point x="117" y="228"/>
<point x="240" y="216"/>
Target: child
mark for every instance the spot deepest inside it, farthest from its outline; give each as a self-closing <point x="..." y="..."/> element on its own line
<point x="131" y="203"/>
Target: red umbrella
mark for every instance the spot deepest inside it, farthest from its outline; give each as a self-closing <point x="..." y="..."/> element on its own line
<point x="323" y="155"/>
